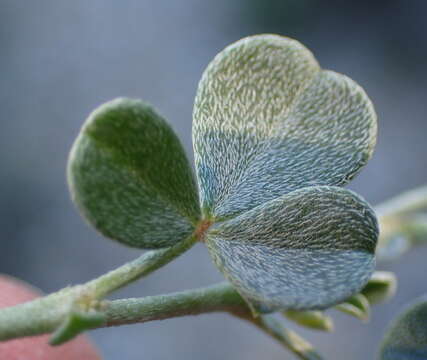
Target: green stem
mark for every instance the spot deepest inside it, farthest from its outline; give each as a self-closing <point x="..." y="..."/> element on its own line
<point x="39" y="316"/>
<point x="144" y="265"/>
<point x="46" y="314"/>
<point x="216" y="298"/>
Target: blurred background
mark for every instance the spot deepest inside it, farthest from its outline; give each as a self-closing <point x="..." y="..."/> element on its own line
<point x="61" y="59"/>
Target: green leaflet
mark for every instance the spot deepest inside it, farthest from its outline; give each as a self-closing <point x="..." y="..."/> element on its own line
<point x="268" y="120"/>
<point x="380" y="287"/>
<point x="357" y="306"/>
<point x="309" y="249"/>
<point x="406" y="339"/>
<point x="316" y="320"/>
<point x="129" y="176"/>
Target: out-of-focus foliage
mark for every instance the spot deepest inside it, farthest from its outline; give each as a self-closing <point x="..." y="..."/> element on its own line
<point x="403" y="223"/>
<point x="406" y="338"/>
<point x="312" y="319"/>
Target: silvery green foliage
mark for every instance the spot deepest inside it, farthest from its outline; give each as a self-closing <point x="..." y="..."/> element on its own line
<point x="406" y="338"/>
<point x="268" y="120"/>
<point x="380" y="287"/>
<point x="270" y="130"/>
<point x="130" y="177"/>
<point x="309" y="249"/>
<point x="357" y="305"/>
<point x="274" y="135"/>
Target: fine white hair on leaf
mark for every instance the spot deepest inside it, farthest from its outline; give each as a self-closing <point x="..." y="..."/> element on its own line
<point x="130" y="177"/>
<point x="268" y="120"/>
<point x="309" y="249"/>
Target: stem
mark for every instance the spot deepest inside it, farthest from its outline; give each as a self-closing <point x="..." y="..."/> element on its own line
<point x="144" y="265"/>
<point x="46" y="314"/>
<point x="36" y="317"/>
<point x="216" y="298"/>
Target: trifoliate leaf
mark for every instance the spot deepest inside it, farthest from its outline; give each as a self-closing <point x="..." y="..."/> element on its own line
<point x="406" y="338"/>
<point x="309" y="249"/>
<point x="316" y="320"/>
<point x="357" y="306"/>
<point x="129" y="176"/>
<point x="380" y="287"/>
<point x="268" y="120"/>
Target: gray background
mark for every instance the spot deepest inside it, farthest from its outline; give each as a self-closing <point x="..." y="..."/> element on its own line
<point x="60" y="59"/>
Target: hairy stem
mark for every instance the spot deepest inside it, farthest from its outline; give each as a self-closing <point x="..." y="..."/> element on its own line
<point x="45" y="314"/>
<point x="221" y="297"/>
<point x="216" y="298"/>
<point x="142" y="266"/>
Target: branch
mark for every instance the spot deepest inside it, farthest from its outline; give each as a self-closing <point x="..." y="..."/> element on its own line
<point x="80" y="303"/>
<point x="217" y="298"/>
